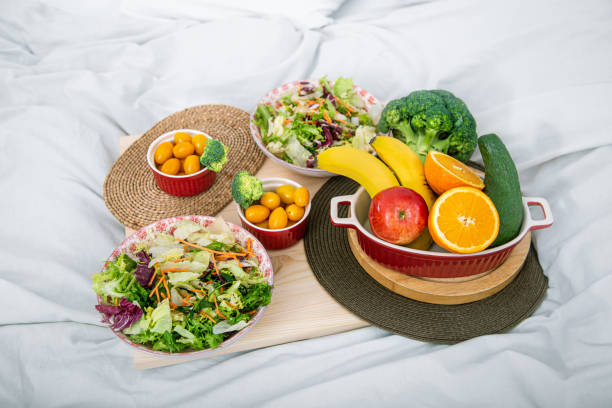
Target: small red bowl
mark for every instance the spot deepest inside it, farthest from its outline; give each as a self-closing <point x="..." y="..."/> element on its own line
<point x="430" y="263"/>
<point x="277" y="238"/>
<point x="181" y="186"/>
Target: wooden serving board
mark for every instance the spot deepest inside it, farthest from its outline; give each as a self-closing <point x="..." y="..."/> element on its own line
<point x="300" y="308"/>
<point x="444" y="291"/>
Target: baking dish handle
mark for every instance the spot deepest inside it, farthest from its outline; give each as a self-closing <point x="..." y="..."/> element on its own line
<point x="348" y="222"/>
<point x="545" y="222"/>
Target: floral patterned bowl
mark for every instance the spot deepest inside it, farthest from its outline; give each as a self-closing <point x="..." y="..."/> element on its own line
<point x="129" y="246"/>
<point x="273" y="96"/>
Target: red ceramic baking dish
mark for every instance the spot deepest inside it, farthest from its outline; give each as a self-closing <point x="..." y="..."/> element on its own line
<point x="430" y="263"/>
<point x="277" y="238"/>
<point x="182" y="186"/>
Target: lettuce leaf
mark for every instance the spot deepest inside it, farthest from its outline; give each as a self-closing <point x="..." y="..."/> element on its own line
<point x="186" y="227"/>
<point x="224" y="326"/>
<point x="118" y="280"/>
<point x="161" y="317"/>
<point x="233" y="267"/>
<point x="182" y="277"/>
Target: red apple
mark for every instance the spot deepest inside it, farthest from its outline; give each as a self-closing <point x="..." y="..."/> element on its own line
<point x="398" y="215"/>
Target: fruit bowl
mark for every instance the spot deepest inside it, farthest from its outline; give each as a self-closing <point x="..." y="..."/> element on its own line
<point x="183" y="185"/>
<point x="272" y="97"/>
<point x="279" y="238"/>
<point x="430" y="263"/>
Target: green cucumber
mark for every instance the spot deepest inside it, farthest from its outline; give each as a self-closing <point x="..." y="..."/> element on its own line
<point x="502" y="186"/>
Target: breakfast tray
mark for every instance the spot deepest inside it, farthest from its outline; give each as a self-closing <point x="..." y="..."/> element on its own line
<point x="303" y="308"/>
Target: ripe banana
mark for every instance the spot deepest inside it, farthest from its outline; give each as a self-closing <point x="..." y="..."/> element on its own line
<point x="408" y="168"/>
<point x="406" y="165"/>
<point x="358" y="165"/>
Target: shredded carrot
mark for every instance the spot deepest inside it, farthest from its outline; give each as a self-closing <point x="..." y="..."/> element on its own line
<point x="343" y="121"/>
<point x="152" y="279"/>
<point x="198" y="290"/>
<point x="238" y="260"/>
<point x="252" y="312"/>
<point x="181" y="260"/>
<point x="221" y="289"/>
<point x="199" y="247"/>
<point x="217" y="307"/>
<point x="185" y="248"/>
<point x="157" y="295"/>
<point x="116" y="301"/>
<point x="174" y="270"/>
<point x="166" y="286"/>
<point x="215" y="265"/>
<point x="155" y="288"/>
<point x="209" y="318"/>
<point x="341" y="102"/>
<point x="163" y="295"/>
<point x="327" y="118"/>
<point x="230" y="305"/>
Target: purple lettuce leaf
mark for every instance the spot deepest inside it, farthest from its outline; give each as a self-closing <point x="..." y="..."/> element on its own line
<point x="143" y="273"/>
<point x="123" y="316"/>
<point x="107" y="311"/>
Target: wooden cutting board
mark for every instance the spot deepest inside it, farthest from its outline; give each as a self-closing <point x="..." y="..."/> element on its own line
<point x="300" y="308"/>
<point x="444" y="291"/>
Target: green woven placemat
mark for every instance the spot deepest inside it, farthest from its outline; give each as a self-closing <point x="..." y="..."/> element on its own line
<point x="333" y="263"/>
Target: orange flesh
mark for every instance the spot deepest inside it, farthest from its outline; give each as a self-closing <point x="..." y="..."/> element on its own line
<point x="459" y="224"/>
<point x="459" y="169"/>
<point x="464" y="220"/>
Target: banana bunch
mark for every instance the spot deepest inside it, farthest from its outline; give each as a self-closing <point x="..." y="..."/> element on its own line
<point x="375" y="176"/>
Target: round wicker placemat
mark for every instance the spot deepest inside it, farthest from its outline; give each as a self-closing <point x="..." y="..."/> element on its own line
<point x="130" y="192"/>
<point x="330" y="258"/>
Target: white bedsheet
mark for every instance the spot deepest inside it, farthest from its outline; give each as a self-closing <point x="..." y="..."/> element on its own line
<point x="74" y="76"/>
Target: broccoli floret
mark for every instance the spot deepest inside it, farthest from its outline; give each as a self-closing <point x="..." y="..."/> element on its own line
<point x="395" y="109"/>
<point x="214" y="155"/>
<point x="246" y="189"/>
<point x="427" y="120"/>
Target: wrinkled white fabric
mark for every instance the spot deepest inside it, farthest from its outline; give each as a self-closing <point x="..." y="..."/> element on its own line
<point x="74" y="76"/>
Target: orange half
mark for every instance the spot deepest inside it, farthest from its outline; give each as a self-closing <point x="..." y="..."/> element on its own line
<point x="444" y="172"/>
<point x="463" y="220"/>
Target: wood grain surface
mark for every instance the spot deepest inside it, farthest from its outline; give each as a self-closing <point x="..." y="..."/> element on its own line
<point x="444" y="291"/>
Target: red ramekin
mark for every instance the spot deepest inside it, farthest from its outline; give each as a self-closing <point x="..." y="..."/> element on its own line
<point x="431" y="264"/>
<point x="277" y="238"/>
<point x="181" y="186"/>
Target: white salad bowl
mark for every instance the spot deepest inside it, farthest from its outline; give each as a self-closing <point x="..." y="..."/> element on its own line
<point x="130" y="246"/>
<point x="273" y="96"/>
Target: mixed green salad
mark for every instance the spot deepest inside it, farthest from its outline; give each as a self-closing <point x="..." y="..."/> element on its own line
<point x="192" y="289"/>
<point x="310" y="118"/>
